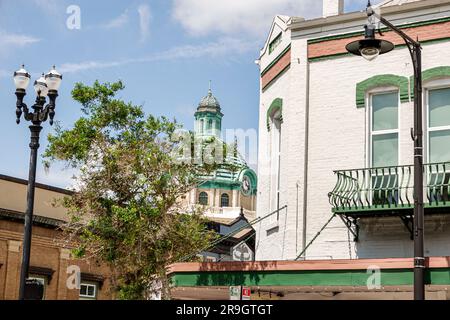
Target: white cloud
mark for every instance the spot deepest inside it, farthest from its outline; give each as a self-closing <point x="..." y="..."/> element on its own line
<point x="51" y="7"/>
<point x="222" y="47"/>
<point x="225" y="47"/>
<point x="250" y="17"/>
<point x="11" y="41"/>
<point x="117" y="22"/>
<point x="88" y="65"/>
<point x="15" y="40"/>
<point x="144" y="21"/>
<point x="58" y="175"/>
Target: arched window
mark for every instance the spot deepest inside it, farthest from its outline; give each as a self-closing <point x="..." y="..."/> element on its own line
<point x="274" y="121"/>
<point x="201" y="125"/>
<point x="203" y="198"/>
<point x="209" y="126"/>
<point x="224" y="200"/>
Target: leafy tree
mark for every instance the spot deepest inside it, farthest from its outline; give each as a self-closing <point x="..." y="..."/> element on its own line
<point x="126" y="211"/>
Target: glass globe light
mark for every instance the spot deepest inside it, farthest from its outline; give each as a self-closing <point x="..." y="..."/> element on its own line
<point x="21" y="78"/>
<point x="53" y="79"/>
<point x="40" y="86"/>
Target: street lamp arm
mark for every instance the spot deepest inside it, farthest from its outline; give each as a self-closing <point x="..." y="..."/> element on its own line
<point x="408" y="39"/>
<point x="398" y="31"/>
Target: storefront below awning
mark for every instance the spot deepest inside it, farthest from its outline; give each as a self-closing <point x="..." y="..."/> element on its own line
<point x="318" y="279"/>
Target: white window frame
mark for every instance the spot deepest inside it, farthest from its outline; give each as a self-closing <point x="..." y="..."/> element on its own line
<point x="41" y="279"/>
<point x="370" y="94"/>
<point x="430" y="86"/>
<point x="88" y="284"/>
<point x="369" y="111"/>
<point x="275" y="192"/>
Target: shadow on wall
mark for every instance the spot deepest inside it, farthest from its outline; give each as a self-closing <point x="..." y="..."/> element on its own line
<point x="232" y="273"/>
<point x="389" y="238"/>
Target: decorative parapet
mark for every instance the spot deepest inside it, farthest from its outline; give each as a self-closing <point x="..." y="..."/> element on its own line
<point x="381" y="80"/>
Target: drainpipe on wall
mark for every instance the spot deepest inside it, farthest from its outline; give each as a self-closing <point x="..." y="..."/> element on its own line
<point x="296" y="221"/>
<point x="305" y="169"/>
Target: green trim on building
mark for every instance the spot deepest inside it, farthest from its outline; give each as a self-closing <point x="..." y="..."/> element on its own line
<point x="275" y="105"/>
<point x="214" y="184"/>
<point x="278" y="58"/>
<point x="391" y="207"/>
<point x="275" y="42"/>
<point x="207" y="116"/>
<point x="389" y="277"/>
<point x="276" y="77"/>
<point x="431" y="74"/>
<point x="360" y="33"/>
<point x="339" y="55"/>
<point x="201" y="114"/>
<point x="380" y="81"/>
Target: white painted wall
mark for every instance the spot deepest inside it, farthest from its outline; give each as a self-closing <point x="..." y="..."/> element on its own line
<point x="337" y="140"/>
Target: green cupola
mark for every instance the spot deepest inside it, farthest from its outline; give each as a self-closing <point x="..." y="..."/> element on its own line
<point x="208" y="118"/>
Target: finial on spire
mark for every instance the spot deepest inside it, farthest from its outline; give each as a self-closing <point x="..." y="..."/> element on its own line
<point x="209" y="89"/>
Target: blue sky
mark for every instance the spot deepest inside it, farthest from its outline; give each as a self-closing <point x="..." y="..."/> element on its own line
<point x="165" y="51"/>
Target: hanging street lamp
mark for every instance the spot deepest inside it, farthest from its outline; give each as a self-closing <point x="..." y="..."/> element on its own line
<point x="370" y="48"/>
<point x="46" y="86"/>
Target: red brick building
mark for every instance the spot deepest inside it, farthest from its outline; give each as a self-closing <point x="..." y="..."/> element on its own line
<point x="50" y="263"/>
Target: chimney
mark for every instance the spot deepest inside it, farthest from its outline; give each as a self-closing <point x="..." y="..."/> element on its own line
<point x="332" y="8"/>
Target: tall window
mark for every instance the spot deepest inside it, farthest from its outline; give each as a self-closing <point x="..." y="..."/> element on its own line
<point x="384" y="146"/>
<point x="275" y="160"/>
<point x="203" y="198"/>
<point x="202" y="123"/>
<point x="224" y="200"/>
<point x="439" y="125"/>
<point x="209" y="126"/>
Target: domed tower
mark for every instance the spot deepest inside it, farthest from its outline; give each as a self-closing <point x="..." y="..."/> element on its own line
<point x="208" y="118"/>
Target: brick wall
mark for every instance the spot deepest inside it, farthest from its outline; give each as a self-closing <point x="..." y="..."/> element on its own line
<point x="276" y="69"/>
<point x="46" y="252"/>
<point x="423" y="33"/>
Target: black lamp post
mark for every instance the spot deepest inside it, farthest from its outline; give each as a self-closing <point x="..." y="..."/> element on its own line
<point x="47" y="85"/>
<point x="370" y="48"/>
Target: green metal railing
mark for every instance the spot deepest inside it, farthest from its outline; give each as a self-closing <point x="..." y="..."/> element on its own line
<point x="389" y="188"/>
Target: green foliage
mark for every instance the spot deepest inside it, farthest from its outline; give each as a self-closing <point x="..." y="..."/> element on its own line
<point x="127" y="211"/>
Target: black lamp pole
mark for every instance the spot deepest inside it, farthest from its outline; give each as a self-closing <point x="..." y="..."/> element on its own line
<point x="419" y="257"/>
<point x="368" y="46"/>
<point x="37" y="116"/>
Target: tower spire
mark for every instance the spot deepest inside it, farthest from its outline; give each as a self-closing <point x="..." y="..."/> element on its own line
<point x="209" y="89"/>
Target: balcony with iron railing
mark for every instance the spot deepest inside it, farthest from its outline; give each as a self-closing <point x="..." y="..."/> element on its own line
<point x="388" y="192"/>
<point x="385" y="190"/>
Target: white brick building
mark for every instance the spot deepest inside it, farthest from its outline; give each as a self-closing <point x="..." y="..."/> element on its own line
<point x="335" y="142"/>
<point x="322" y="109"/>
